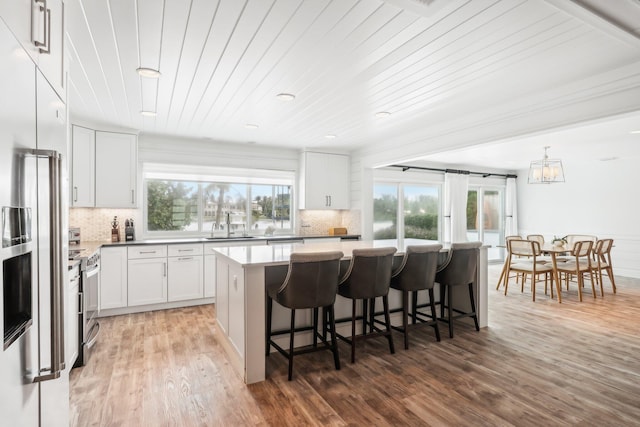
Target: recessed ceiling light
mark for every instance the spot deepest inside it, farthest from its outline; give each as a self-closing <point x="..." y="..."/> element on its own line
<point x="382" y="114"/>
<point x="148" y="113"/>
<point x="148" y="72"/>
<point x="251" y="126"/>
<point x="286" y="96"/>
<point x="635" y="131"/>
<point x="330" y="136"/>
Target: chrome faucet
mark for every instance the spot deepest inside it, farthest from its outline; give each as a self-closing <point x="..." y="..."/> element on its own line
<point x="228" y="224"/>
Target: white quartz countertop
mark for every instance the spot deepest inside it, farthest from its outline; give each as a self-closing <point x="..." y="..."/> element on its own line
<point x="281" y="253"/>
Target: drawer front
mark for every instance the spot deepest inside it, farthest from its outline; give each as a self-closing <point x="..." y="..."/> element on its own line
<point x="187" y="249"/>
<point x="147" y="251"/>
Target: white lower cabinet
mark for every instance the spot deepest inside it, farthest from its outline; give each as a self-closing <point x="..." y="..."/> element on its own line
<point x="113" y="277"/>
<point x="147" y="275"/>
<point x="186" y="275"/>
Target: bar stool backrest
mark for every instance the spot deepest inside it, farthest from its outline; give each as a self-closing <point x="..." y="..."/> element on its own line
<point x="369" y="273"/>
<point x="418" y="268"/>
<point x="312" y="280"/>
<point x="461" y="264"/>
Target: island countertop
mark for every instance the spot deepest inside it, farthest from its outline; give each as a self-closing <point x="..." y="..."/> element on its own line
<point x="281" y="253"/>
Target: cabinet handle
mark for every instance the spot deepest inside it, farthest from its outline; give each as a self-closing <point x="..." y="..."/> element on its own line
<point x="329" y="200"/>
<point x="80" y="303"/>
<point x="147" y="252"/>
<point x="185" y="259"/>
<point x="133" y="199"/>
<point x="75" y="194"/>
<point x="164" y="273"/>
<point x="185" y="250"/>
<point x="42" y="9"/>
<point x="45" y="46"/>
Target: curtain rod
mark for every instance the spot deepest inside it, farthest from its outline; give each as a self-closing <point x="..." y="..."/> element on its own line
<point x="458" y="171"/>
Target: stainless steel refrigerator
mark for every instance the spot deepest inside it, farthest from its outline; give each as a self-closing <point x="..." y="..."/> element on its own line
<point x="34" y="381"/>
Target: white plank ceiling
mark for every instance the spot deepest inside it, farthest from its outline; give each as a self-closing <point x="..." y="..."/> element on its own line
<point x="427" y="62"/>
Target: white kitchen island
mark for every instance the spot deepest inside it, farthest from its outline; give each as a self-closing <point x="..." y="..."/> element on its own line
<point x="242" y="273"/>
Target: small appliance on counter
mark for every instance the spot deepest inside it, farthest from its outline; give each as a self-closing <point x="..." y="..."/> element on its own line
<point x="337" y="231"/>
<point x="129" y="231"/>
<point x="115" y="231"/>
<point x="74" y="235"/>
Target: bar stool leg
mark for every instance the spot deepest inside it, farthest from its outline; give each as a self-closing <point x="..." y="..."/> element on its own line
<point x="473" y="304"/>
<point x="449" y="311"/>
<point x="315" y="327"/>
<point x="334" y="340"/>
<point x="405" y="318"/>
<point x="414" y="317"/>
<point x="432" y="303"/>
<point x="387" y="319"/>
<point x="353" y="330"/>
<point x="293" y="326"/>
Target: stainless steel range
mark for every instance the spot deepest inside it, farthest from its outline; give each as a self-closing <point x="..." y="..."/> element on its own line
<point x="89" y="327"/>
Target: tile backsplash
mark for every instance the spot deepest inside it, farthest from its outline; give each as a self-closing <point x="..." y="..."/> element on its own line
<point x="95" y="224"/>
<point x="312" y="223"/>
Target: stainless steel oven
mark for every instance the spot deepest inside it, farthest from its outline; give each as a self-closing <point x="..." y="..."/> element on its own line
<point x="89" y="291"/>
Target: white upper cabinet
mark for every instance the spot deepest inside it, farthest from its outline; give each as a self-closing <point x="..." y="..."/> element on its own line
<point x="116" y="160"/>
<point x="324" y="181"/>
<point x="83" y="163"/>
<point x="39" y="27"/>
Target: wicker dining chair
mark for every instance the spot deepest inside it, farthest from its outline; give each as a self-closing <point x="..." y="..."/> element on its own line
<point x="579" y="265"/>
<point x="602" y="254"/>
<point x="530" y="249"/>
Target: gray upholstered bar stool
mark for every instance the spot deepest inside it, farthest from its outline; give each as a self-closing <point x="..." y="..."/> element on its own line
<point x="460" y="269"/>
<point x="417" y="272"/>
<point x="311" y="282"/>
<point x="368" y="278"/>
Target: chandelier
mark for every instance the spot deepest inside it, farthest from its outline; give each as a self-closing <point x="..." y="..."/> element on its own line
<point x="546" y="171"/>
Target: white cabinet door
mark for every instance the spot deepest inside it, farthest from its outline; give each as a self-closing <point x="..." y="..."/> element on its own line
<point x="52" y="63"/>
<point x="324" y="181"/>
<point x="185" y="278"/>
<point x="209" y="276"/>
<point x="222" y="294"/>
<point x="25" y="20"/>
<point x="116" y="160"/>
<point x="73" y="308"/>
<point x="113" y="277"/>
<point x="147" y="281"/>
<point x="83" y="162"/>
<point x="38" y="26"/>
<point x="236" y="307"/>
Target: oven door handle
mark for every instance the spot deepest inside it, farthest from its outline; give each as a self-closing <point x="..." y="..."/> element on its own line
<point x="93" y="333"/>
<point x="93" y="272"/>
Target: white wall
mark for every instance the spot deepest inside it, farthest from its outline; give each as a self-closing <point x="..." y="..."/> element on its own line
<point x="598" y="198"/>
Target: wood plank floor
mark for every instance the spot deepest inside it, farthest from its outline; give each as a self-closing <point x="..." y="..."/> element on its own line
<point x="536" y="364"/>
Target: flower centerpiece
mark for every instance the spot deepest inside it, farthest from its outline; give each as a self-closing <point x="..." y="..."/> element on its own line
<point x="559" y="241"/>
